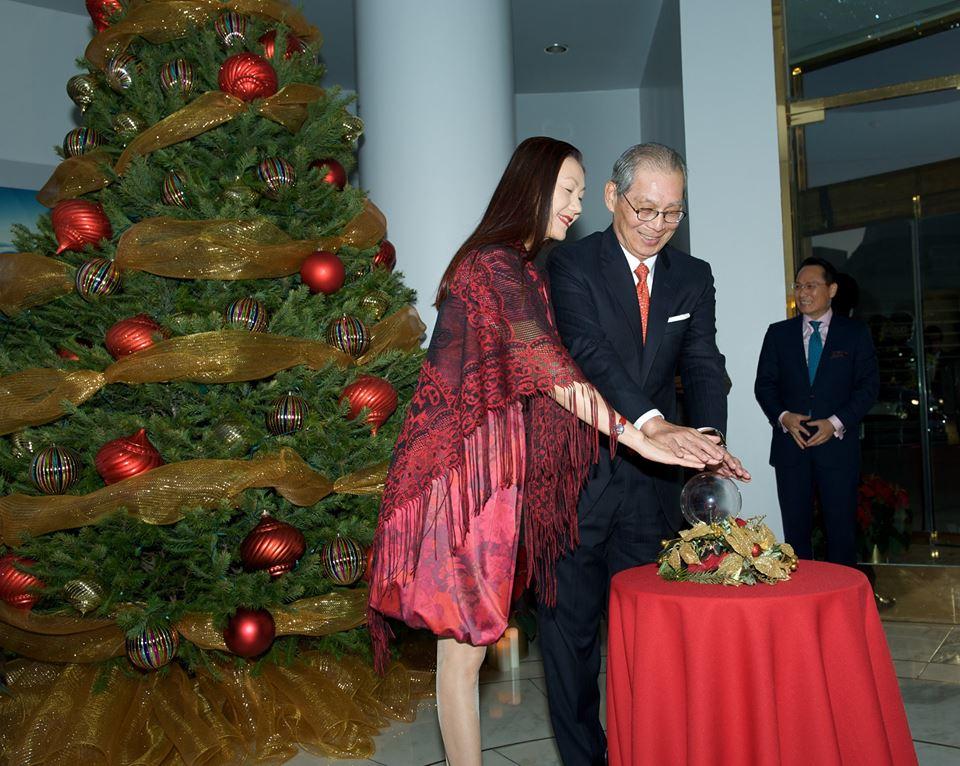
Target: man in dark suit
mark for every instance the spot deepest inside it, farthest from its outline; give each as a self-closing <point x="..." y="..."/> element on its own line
<point x="816" y="379"/>
<point x="633" y="312"/>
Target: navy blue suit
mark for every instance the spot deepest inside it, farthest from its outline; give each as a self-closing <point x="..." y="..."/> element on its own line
<point x="628" y="505"/>
<point x="846" y="385"/>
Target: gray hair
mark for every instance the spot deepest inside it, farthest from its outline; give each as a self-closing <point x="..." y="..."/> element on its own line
<point x="651" y="156"/>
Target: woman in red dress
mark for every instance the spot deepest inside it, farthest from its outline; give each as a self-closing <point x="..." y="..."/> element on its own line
<point x="500" y="433"/>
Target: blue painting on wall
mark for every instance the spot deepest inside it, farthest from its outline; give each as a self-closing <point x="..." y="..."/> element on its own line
<point x="17" y="206"/>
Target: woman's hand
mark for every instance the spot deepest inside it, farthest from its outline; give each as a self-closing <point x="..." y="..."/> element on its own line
<point x="660" y="450"/>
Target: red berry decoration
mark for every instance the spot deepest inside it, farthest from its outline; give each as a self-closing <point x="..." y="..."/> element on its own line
<point x="66" y="353"/>
<point x="756" y="550"/>
<point x="386" y="256"/>
<point x="134" y="334"/>
<point x="374" y="394"/>
<point x="77" y="222"/>
<point x="249" y="632"/>
<point x="323" y="272"/>
<point x="272" y="545"/>
<point x="294" y="44"/>
<point x="248" y="76"/>
<point x="333" y="172"/>
<point x="101" y="11"/>
<point x="15" y="586"/>
<point x="125" y="457"/>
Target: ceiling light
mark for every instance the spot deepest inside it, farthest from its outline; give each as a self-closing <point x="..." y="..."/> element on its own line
<point x="555" y="48"/>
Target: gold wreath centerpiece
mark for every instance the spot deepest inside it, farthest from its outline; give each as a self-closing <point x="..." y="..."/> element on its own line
<point x="729" y="551"/>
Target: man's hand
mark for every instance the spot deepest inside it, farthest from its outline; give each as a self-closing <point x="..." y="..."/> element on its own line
<point x="685" y="441"/>
<point x="730" y="467"/>
<point x="823" y="433"/>
<point x="795" y="423"/>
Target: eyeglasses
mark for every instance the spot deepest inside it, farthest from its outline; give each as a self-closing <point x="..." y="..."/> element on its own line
<point x="644" y="214"/>
<point x="808" y="286"/>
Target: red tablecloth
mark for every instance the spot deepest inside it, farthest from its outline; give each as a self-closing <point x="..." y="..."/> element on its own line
<point x="796" y="673"/>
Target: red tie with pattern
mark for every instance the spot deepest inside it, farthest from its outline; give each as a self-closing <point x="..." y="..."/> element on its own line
<point x="643" y="296"/>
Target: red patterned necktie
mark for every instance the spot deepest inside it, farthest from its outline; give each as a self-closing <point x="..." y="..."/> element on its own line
<point x="643" y="296"/>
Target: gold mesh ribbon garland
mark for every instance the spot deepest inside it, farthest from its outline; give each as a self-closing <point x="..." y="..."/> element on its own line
<point x="76" y="176"/>
<point x="288" y="107"/>
<point x="330" y="707"/>
<point x="157" y="496"/>
<point x="227" y="249"/>
<point x="161" y="21"/>
<point x="66" y="638"/>
<point x="34" y="396"/>
<point x="29" y="279"/>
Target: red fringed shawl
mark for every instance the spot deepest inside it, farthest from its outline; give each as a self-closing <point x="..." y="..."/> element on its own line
<point x="479" y="422"/>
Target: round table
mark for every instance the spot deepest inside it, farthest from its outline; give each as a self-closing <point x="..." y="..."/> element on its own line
<point x="795" y="673"/>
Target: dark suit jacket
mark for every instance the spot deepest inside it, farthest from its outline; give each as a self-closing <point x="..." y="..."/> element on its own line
<point x="846" y="385"/>
<point x="595" y="302"/>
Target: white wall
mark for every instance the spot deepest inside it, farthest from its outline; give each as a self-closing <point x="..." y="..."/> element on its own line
<point x="435" y="84"/>
<point x="40" y="48"/>
<point x="735" y="224"/>
<point x="601" y="124"/>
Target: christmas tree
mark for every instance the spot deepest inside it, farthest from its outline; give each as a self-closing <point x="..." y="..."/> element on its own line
<point x="206" y="357"/>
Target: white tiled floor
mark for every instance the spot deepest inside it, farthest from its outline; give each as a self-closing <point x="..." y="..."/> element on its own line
<point x="516" y="727"/>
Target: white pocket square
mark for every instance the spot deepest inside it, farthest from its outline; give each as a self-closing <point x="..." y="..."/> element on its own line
<point x="678" y="318"/>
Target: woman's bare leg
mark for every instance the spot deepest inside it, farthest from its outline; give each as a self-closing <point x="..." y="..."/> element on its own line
<point x="458" y="700"/>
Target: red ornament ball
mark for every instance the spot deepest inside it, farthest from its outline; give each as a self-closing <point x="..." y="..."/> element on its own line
<point x="77" y="222"/>
<point x="323" y="272"/>
<point x="134" y="334"/>
<point x="373" y="393"/>
<point x="332" y="172"/>
<point x="386" y="256"/>
<point x="125" y="457"/>
<point x="756" y="550"/>
<point x="101" y="11"/>
<point x="15" y="586"/>
<point x="249" y="632"/>
<point x="247" y="76"/>
<point x="294" y="44"/>
<point x="272" y="545"/>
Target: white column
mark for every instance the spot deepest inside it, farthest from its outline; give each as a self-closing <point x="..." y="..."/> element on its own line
<point x="729" y="106"/>
<point x="435" y="92"/>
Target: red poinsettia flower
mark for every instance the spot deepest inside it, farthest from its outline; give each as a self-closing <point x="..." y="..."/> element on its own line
<point x="708" y="563"/>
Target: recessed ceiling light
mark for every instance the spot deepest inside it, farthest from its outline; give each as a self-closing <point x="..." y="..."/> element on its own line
<point x="557" y="48"/>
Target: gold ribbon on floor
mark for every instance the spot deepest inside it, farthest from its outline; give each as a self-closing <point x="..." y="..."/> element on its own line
<point x="161" y="21"/>
<point x="230" y="250"/>
<point x="76" y="176"/>
<point x="30" y="279"/>
<point x="35" y="396"/>
<point x="230" y="715"/>
<point x="159" y="496"/>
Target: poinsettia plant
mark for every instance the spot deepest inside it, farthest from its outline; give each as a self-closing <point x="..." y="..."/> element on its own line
<point x="883" y="517"/>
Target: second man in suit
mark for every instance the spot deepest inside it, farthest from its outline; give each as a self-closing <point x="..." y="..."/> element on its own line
<point x="634" y="312"/>
<point x="816" y="380"/>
